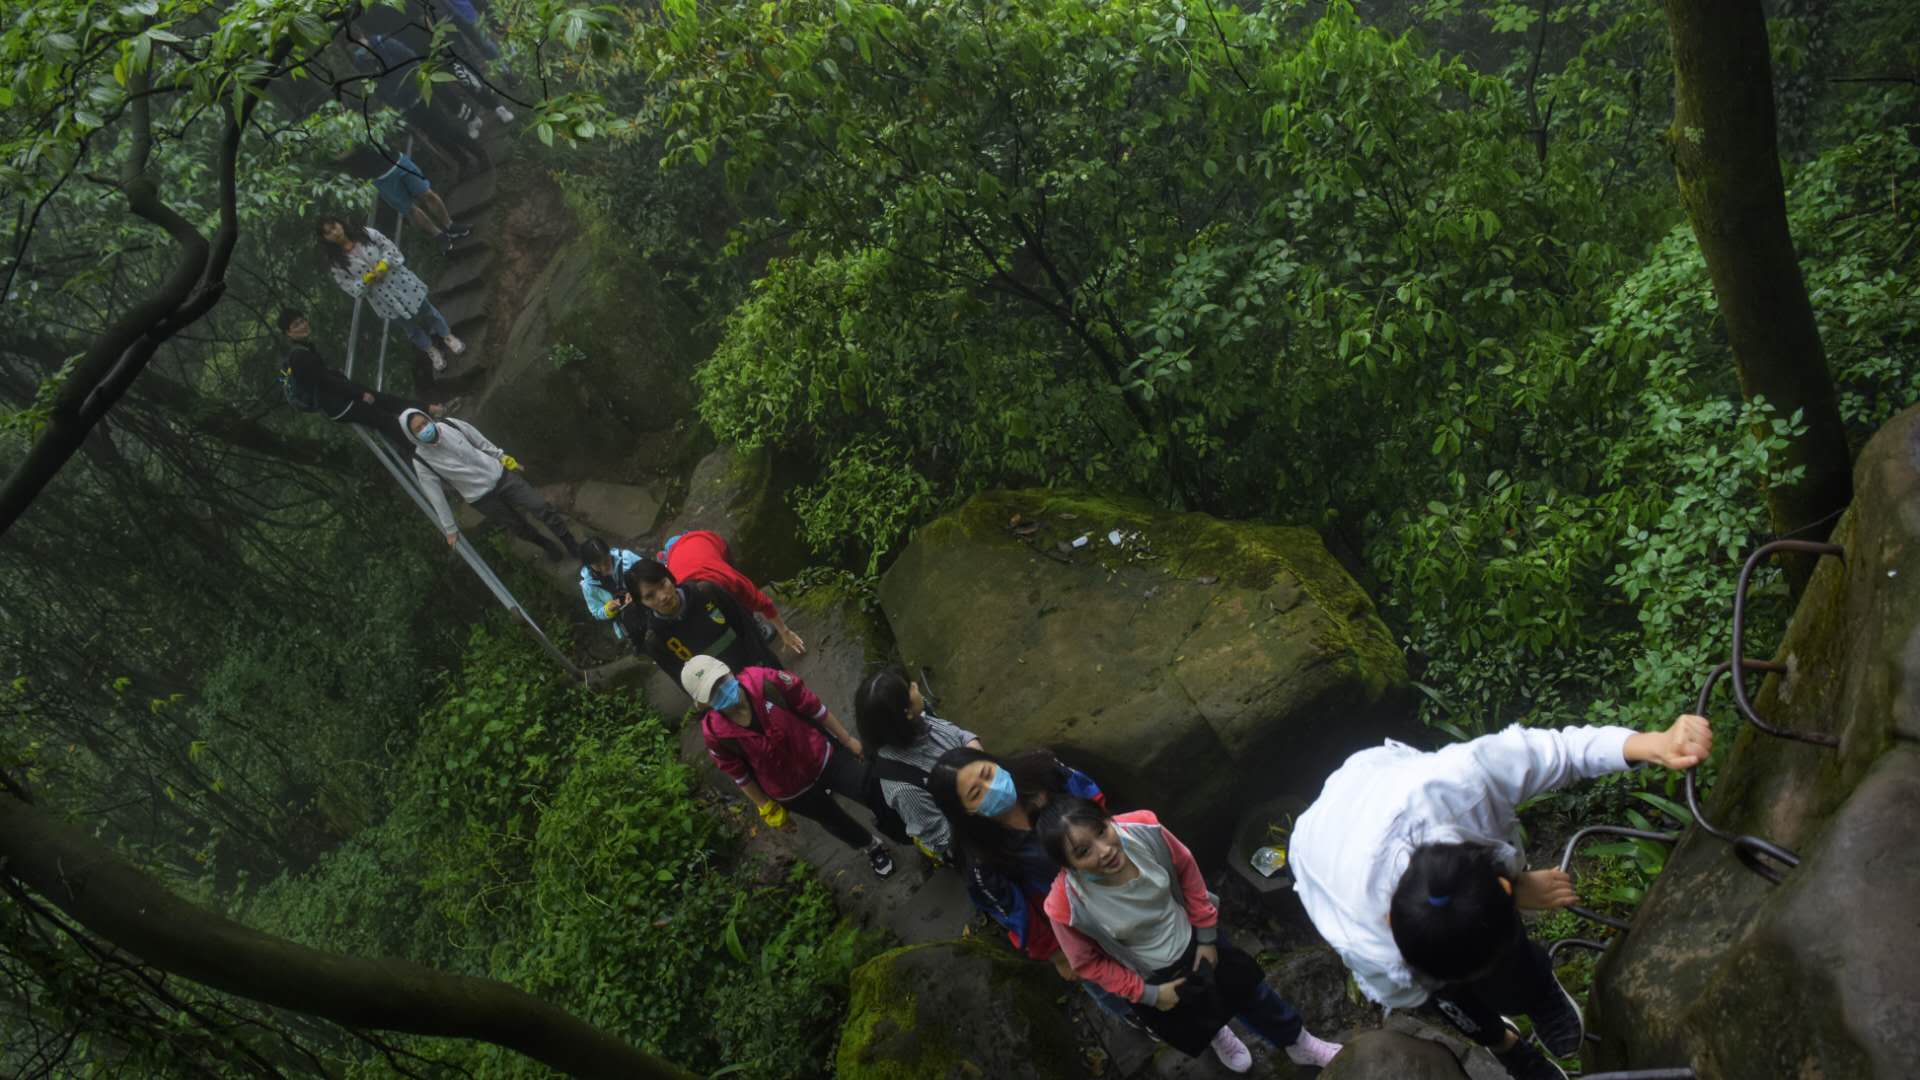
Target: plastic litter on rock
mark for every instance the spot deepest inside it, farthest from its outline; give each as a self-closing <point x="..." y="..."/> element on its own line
<point x="1269" y="861"/>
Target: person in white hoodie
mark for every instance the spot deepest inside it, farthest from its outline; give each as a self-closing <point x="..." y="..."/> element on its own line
<point x="1408" y="866"/>
<point x="484" y="475"/>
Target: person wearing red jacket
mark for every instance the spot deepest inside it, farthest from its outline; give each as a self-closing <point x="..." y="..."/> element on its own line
<point x="699" y="555"/>
<point x="768" y="732"/>
<point x="1133" y="914"/>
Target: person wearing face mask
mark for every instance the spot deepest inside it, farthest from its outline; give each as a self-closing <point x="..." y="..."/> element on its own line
<point x="990" y="803"/>
<point x="484" y="475"/>
<point x="1133" y="914"/>
<point x="769" y="733"/>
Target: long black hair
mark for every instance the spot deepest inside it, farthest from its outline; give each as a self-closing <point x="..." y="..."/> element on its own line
<point x="880" y="711"/>
<point x="337" y="255"/>
<point x="1451" y="916"/>
<point x="1038" y="778"/>
<point x="1060" y="818"/>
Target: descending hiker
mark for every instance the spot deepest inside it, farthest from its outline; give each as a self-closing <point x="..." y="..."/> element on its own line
<point x="603" y="573"/>
<point x="903" y="740"/>
<point x="367" y="264"/>
<point x="699" y="555"/>
<point x="675" y="622"/>
<point x="1133" y="914"/>
<point x="990" y="803"/>
<point x="312" y="386"/>
<point x="767" y="730"/>
<point x="1408" y="865"/>
<point x="403" y="185"/>
<point x="484" y="475"/>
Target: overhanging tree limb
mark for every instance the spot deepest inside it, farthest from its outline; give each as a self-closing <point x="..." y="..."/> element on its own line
<point x="109" y="897"/>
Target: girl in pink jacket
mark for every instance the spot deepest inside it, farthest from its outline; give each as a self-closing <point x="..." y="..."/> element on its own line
<point x="1133" y="914"/>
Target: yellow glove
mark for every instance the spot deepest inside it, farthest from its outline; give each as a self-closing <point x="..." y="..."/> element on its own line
<point x="611" y="607"/>
<point x="508" y="463"/>
<point x="774" y="814"/>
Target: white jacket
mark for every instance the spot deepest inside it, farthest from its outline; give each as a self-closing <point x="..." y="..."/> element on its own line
<point x="1348" y="850"/>
<point x="461" y="456"/>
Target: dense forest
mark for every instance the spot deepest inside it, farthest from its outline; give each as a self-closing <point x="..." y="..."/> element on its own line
<point x="1540" y="316"/>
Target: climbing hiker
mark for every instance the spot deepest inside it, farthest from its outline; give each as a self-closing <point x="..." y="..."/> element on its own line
<point x="1133" y="914"/>
<point x="404" y="186"/>
<point x="699" y="555"/>
<point x="768" y="732"/>
<point x="1408" y="866"/>
<point x="366" y="263"/>
<point x="904" y="739"/>
<point x="312" y="386"/>
<point x="675" y="622"/>
<point x="484" y="475"/>
<point x="391" y="66"/>
<point x="603" y="572"/>
<point x="990" y="803"/>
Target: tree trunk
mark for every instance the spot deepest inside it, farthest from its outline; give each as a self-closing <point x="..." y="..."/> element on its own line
<point x="134" y="912"/>
<point x="1726" y="159"/>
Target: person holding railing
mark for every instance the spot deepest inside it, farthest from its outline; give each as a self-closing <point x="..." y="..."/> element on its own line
<point x="367" y="265"/>
<point x="1408" y="866"/>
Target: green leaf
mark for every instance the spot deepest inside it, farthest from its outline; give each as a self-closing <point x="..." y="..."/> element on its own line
<point x="1665" y="805"/>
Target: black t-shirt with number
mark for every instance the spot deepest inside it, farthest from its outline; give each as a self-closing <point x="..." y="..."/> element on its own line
<point x="710" y="623"/>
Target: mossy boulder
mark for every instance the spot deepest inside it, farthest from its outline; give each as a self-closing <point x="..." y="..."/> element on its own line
<point x="743" y="497"/>
<point x="1192" y="665"/>
<point x="1818" y="976"/>
<point x="959" y="1010"/>
<point x="1393" y="1055"/>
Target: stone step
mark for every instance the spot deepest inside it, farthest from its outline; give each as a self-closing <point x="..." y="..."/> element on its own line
<point x="467" y="311"/>
<point x="475" y="247"/>
<point x="475" y="356"/>
<point x="473" y="196"/>
<point x="460" y="277"/>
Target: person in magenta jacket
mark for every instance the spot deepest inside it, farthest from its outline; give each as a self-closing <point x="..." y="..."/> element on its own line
<point x="1133" y="914"/>
<point x="768" y="732"/>
<point x="699" y="555"/>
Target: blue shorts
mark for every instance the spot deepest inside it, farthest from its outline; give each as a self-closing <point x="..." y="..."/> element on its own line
<point x="402" y="184"/>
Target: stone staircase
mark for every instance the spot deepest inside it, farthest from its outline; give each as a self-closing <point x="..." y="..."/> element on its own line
<point x="463" y="291"/>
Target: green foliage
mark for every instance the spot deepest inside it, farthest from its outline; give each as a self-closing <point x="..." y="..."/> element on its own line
<point x="867" y="499"/>
<point x="549" y="836"/>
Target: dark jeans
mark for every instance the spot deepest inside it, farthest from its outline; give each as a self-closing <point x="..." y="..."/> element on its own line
<point x="1518" y="985"/>
<point x="382" y="417"/>
<point x="844" y="775"/>
<point x="512" y="501"/>
<point x="1236" y="988"/>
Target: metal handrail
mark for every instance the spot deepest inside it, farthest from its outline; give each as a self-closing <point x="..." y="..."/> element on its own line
<point x="410" y="483"/>
<point x="1566" y="861"/>
<point x="1752" y="851"/>
<point x="1740" y="699"/>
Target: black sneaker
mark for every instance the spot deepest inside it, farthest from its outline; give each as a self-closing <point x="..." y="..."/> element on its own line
<point x="1524" y="1061"/>
<point x="881" y="862"/>
<point x="1559" y="1023"/>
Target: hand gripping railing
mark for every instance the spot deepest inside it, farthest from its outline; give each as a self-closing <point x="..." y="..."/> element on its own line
<point x="1566" y="861"/>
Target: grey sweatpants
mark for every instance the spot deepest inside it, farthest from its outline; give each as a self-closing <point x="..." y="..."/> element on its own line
<point x="512" y="501"/>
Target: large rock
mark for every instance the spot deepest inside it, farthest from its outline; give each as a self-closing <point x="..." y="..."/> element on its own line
<point x="1193" y="667"/>
<point x="961" y="1010"/>
<point x="1818" y="976"/>
<point x="743" y="497"/>
<point x="1391" y="1055"/>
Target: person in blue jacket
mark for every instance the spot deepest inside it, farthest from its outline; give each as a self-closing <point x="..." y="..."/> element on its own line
<point x="602" y="573"/>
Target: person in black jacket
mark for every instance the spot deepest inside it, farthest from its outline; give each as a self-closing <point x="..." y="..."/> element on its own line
<point x="313" y="386"/>
<point x="675" y="622"/>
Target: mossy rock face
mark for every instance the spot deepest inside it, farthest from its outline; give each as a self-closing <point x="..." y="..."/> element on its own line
<point x="1818" y="976"/>
<point x="1392" y="1055"/>
<point x="959" y="1010"/>
<point x="743" y="497"/>
<point x="1195" y="666"/>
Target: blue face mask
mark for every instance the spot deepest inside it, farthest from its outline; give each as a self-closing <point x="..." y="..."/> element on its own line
<point x="1000" y="795"/>
<point x="429" y="432"/>
<point x="726" y="695"/>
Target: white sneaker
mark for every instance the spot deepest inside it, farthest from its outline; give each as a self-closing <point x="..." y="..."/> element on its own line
<point x="505" y="114"/>
<point x="1232" y="1052"/>
<point x="473" y="128"/>
<point x="439" y="358"/>
<point x="454" y="345"/>
<point x="1310" y="1049"/>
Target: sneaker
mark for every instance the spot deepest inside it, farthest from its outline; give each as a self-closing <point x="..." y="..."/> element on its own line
<point x="473" y="128"/>
<point x="505" y="114"/>
<point x="1231" y="1051"/>
<point x="446" y="242"/>
<point x="1559" y="1024"/>
<point x="454" y="345"/>
<point x="459" y="231"/>
<point x="881" y="862"/>
<point x="439" y="358"/>
<point x="1525" y="1062"/>
<point x="1310" y="1049"/>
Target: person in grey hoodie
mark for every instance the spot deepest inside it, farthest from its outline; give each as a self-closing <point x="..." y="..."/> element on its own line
<point x="484" y="475"/>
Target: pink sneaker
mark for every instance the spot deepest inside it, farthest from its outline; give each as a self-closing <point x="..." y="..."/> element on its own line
<point x="1310" y="1049"/>
<point x="1232" y="1052"/>
<point x="439" y="358"/>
